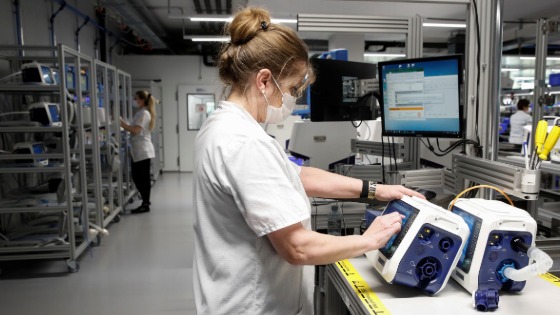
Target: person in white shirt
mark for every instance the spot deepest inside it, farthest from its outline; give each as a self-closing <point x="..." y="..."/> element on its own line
<point x="252" y="232"/>
<point x="517" y="121"/>
<point x="142" y="148"/>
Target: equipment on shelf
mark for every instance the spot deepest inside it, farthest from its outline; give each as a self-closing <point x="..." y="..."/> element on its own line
<point x="35" y="72"/>
<point x="114" y="158"/>
<point x="426" y="250"/>
<point x="31" y="148"/>
<point x="48" y="114"/>
<point x="498" y="250"/>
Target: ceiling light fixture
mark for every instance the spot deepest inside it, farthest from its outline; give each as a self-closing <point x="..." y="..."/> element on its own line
<point x="510" y="69"/>
<point x="448" y="25"/>
<point x="229" y="19"/>
<point x="383" y="55"/>
<point x="533" y="58"/>
<point x="207" y="38"/>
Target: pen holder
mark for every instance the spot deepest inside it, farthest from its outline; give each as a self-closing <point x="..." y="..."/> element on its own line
<point x="530" y="181"/>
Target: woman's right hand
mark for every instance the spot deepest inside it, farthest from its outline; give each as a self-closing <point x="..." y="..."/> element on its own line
<point x="382" y="229"/>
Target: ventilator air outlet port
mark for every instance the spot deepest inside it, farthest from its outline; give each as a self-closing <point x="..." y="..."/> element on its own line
<point x="445" y="244"/>
<point x="428" y="269"/>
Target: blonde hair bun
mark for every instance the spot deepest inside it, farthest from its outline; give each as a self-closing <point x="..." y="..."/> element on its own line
<point x="246" y="24"/>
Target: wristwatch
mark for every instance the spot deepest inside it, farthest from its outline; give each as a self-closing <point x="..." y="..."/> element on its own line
<point x="372" y="189"/>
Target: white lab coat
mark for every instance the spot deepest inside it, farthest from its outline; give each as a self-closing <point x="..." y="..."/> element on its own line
<point x="517" y="121"/>
<point x="244" y="188"/>
<point x="142" y="146"/>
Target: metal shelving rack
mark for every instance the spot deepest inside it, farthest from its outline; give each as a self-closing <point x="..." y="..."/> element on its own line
<point x="124" y="101"/>
<point x="111" y="175"/>
<point x="63" y="224"/>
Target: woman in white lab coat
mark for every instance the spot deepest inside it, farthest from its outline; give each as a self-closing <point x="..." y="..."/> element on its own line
<point x="251" y="207"/>
<point x="517" y="121"/>
<point x="143" y="150"/>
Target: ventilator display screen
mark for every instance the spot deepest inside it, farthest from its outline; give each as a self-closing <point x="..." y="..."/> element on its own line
<point x="53" y="110"/>
<point x="474" y="223"/>
<point x="410" y="214"/>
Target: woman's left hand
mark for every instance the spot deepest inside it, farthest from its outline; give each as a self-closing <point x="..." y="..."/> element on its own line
<point x="391" y="192"/>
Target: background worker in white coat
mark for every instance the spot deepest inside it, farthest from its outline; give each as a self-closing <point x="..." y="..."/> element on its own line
<point x="251" y="209"/>
<point x="143" y="150"/>
<point x="517" y="121"/>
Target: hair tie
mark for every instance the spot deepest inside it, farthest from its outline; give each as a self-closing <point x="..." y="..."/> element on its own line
<point x="264" y="26"/>
<point x="149" y="95"/>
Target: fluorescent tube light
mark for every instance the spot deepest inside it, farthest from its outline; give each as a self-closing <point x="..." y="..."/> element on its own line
<point x="449" y="25"/>
<point x="207" y="38"/>
<point x="211" y="19"/>
<point x="510" y="69"/>
<point x="383" y="55"/>
<point x="229" y="19"/>
<point x="533" y="58"/>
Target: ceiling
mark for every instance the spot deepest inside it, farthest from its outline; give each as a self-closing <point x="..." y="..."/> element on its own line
<point x="152" y="21"/>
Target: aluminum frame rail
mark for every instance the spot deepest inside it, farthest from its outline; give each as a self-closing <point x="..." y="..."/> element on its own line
<point x="428" y="178"/>
<point x="504" y="176"/>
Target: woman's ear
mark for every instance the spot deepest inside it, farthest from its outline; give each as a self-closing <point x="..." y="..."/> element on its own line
<point x="262" y="79"/>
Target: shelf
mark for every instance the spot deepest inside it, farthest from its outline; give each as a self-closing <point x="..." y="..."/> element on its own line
<point x="25" y="249"/>
<point x="29" y="88"/>
<point x="30" y="129"/>
<point x="54" y="209"/>
<point x="10" y="156"/>
<point x="32" y="169"/>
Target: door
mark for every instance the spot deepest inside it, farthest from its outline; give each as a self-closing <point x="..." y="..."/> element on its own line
<point x="195" y="102"/>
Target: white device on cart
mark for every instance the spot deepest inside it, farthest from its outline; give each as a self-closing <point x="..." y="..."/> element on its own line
<point x="31" y="148"/>
<point x="426" y="250"/>
<point x="496" y="232"/>
<point x="47" y="114"/>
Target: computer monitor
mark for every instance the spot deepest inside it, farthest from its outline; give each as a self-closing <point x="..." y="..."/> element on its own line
<point x="421" y="97"/>
<point x="334" y="96"/>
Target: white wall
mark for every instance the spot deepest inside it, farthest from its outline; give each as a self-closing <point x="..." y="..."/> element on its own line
<point x="35" y="23"/>
<point x="173" y="71"/>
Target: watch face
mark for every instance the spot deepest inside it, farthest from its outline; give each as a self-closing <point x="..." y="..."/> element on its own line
<point x="372" y="190"/>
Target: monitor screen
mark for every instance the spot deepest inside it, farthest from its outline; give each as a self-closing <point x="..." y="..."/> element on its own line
<point x="410" y="214"/>
<point x="421" y="97"/>
<point x="47" y="75"/>
<point x="474" y="223"/>
<point x="70" y="80"/>
<point x="84" y="80"/>
<point x="53" y="110"/>
<point x="38" y="148"/>
<point x="334" y="96"/>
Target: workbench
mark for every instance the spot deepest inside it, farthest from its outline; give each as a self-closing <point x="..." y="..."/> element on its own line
<point x="538" y="297"/>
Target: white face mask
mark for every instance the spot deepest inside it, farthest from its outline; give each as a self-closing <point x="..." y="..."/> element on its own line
<point x="276" y="115"/>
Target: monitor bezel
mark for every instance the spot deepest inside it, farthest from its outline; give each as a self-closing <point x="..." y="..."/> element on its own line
<point x="417" y="133"/>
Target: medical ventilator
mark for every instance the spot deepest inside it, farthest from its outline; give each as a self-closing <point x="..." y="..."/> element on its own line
<point x="498" y="252"/>
<point x="426" y="250"/>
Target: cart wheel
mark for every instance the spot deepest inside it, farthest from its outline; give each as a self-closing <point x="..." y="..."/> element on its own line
<point x="73" y="266"/>
<point x="117" y="219"/>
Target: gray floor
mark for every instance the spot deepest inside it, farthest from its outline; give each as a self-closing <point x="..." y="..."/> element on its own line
<point x="143" y="267"/>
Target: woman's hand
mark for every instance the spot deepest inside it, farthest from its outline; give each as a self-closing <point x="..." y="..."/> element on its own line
<point x="382" y="228"/>
<point x="122" y="122"/>
<point x="391" y="192"/>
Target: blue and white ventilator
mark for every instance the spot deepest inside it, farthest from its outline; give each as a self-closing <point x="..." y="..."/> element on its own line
<point x="426" y="250"/>
<point x="500" y="253"/>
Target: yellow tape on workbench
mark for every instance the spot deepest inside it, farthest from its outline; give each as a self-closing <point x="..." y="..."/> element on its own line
<point x="371" y="302"/>
<point x="551" y="278"/>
